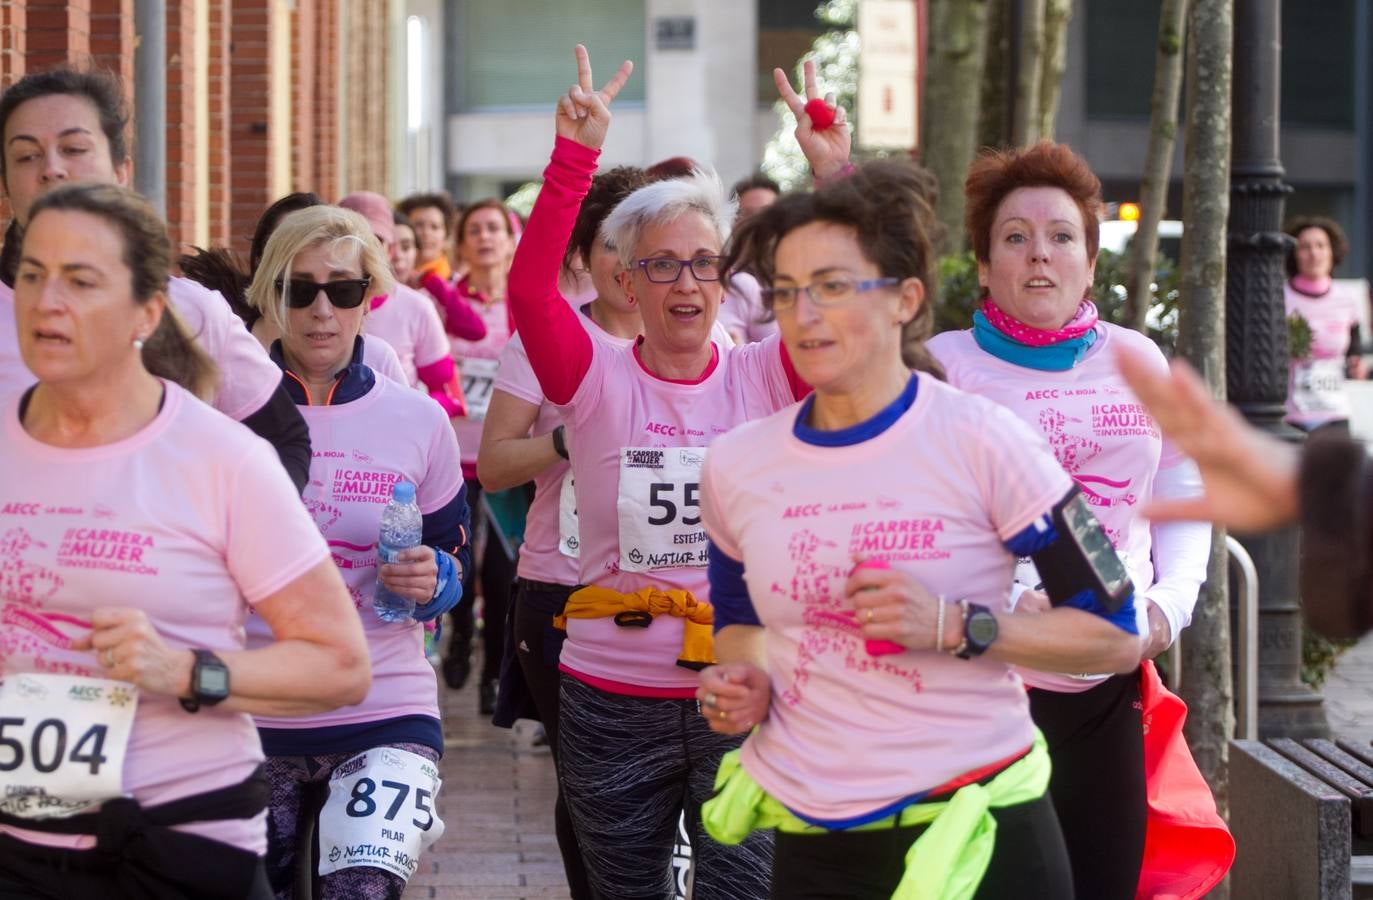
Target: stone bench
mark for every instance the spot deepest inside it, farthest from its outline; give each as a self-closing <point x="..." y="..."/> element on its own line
<point x="1302" y="817"/>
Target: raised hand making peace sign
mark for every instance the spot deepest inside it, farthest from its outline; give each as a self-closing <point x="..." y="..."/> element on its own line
<point x="822" y="128"/>
<point x="584" y="112"/>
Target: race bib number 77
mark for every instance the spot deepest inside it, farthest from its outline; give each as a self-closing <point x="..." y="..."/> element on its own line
<point x="659" y="508"/>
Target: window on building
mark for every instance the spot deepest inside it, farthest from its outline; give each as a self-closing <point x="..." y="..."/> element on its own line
<point x="1318" y="64"/>
<point x="1317" y="61"/>
<point x="518" y="53"/>
<point x="786" y="29"/>
<point x="1121" y="39"/>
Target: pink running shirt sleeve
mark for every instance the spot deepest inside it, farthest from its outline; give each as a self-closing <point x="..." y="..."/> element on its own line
<point x="558" y="345"/>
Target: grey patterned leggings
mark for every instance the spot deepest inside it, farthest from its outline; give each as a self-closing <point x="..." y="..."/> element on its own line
<point x="291" y="777"/>
<point x="628" y="766"/>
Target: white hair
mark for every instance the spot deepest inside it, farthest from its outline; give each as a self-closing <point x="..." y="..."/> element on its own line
<point x="666" y="201"/>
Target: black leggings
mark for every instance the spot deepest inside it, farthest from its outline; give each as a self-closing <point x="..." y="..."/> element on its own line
<point x="497" y="573"/>
<point x="1028" y="861"/>
<point x="1096" y="742"/>
<point x="538" y="647"/>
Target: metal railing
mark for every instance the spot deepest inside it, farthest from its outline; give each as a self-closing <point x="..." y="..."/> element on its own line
<point x="1246" y="581"/>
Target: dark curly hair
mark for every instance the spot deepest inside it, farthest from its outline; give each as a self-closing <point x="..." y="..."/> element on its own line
<point x="890" y="206"/>
<point x="1339" y="244"/>
<point x="607" y="190"/>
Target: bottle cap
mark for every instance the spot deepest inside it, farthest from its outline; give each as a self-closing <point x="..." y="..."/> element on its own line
<point x="403" y="492"/>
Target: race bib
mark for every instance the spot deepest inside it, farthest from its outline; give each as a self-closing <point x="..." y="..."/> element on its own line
<point x="478" y="380"/>
<point x="382" y="812"/>
<point x="569" y="543"/>
<point x="62" y="743"/>
<point x="1318" y="386"/>
<point x="660" y="508"/>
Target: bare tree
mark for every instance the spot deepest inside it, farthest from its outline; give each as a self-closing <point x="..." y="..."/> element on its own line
<point x="993" y="123"/>
<point x="1025" y="117"/>
<point x="953" y="83"/>
<point x="1158" y="160"/>
<point x="1206" y="679"/>
<point x="1057" y="14"/>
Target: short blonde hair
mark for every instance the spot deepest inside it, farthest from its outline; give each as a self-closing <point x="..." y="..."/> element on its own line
<point x="330" y="225"/>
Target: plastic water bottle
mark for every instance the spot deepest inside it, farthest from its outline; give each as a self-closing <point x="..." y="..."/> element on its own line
<point x="401" y="528"/>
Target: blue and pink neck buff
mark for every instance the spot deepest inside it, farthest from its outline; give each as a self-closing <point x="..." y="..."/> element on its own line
<point x="1055" y="350"/>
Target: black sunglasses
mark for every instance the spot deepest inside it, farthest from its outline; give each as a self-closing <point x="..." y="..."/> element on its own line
<point x="347" y="293"/>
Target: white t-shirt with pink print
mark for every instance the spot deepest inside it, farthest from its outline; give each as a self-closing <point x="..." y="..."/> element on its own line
<point x="192" y="520"/>
<point x="247" y="376"/>
<point x="637" y="442"/>
<point x="1102" y="437"/>
<point x="935" y="495"/>
<point x="409" y="322"/>
<point x="1315" y="392"/>
<point x="477" y="367"/>
<point x="360" y="449"/>
<point x="552" y="541"/>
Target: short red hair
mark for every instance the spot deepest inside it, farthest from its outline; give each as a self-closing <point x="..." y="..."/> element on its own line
<point x="994" y="174"/>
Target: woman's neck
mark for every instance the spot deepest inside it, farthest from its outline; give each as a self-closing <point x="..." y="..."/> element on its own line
<point x="853" y="404"/>
<point x="103" y="411"/>
<point x="489" y="281"/>
<point x="318" y="382"/>
<point x="620" y="324"/>
<point x="673" y="365"/>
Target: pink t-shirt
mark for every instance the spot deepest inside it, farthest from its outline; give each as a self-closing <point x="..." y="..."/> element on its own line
<point x="247" y="376"/>
<point x="1315" y="392"/>
<point x="547" y="554"/>
<point x="935" y="495"/>
<point x="637" y="490"/>
<point x="477" y="366"/>
<point x="408" y="321"/>
<point x="1099" y="432"/>
<point x="380" y="357"/>
<point x="742" y="313"/>
<point x="117" y="525"/>
<point x="360" y="449"/>
<point x="14" y="375"/>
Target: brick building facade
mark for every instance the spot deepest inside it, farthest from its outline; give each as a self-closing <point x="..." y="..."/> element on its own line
<point x="263" y="96"/>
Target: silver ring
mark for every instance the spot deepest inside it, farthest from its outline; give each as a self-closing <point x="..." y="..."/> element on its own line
<point x="710" y="698"/>
<point x="107" y="655"/>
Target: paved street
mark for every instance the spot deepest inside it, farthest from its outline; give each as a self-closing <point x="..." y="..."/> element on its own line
<point x="1349" y="693"/>
<point x="497" y="804"/>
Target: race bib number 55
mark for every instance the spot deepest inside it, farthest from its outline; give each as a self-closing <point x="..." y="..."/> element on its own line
<point x="659" y="508"/>
<point x="62" y="743"/>
<point x="381" y="812"/>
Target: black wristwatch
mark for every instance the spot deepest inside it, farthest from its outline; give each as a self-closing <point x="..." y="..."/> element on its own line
<point x="979" y="631"/>
<point x="560" y="441"/>
<point x="209" y="682"/>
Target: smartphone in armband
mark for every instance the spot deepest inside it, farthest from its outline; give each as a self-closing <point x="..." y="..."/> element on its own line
<point x="1082" y="557"/>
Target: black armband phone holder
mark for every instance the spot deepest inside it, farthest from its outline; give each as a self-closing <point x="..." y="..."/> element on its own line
<point x="1081" y="558"/>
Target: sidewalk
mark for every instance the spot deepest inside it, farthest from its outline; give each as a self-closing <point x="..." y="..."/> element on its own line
<point x="1349" y="694"/>
<point x="497" y="806"/>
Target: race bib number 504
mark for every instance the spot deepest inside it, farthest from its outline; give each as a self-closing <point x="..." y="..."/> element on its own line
<point x="381" y="812"/>
<point x="659" y="508"/>
<point x="62" y="743"/>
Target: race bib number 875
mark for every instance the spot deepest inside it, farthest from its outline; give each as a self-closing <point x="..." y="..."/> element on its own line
<point x="659" y="508"/>
<point x="381" y="812"/>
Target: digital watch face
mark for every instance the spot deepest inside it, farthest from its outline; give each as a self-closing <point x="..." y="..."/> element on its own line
<point x="214" y="681"/>
<point x="1096" y="547"/>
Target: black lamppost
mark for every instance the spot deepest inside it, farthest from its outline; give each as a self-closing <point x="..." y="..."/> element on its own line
<point x="1256" y="350"/>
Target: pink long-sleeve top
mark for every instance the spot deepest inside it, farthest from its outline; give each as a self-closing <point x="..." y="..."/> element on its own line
<point x="636" y="442"/>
